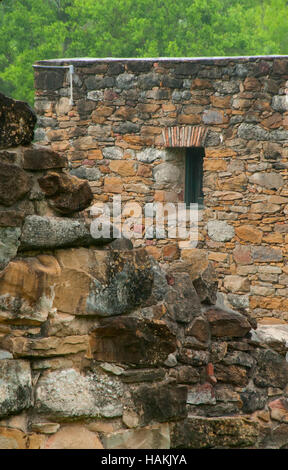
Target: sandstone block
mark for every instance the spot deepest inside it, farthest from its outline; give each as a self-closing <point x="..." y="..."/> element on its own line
<point x="249" y="233"/>
<point x="73" y="437"/>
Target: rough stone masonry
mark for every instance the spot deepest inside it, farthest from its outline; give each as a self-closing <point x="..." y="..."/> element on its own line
<point x="127" y="133"/>
<point x="101" y="344"/>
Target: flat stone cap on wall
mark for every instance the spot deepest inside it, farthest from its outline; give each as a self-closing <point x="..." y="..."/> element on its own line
<point x="89" y="60"/>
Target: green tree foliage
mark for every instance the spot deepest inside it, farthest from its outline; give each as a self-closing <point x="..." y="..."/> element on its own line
<point x="33" y="30"/>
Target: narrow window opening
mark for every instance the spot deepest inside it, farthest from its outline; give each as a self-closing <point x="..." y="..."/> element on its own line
<point x="194" y="175"/>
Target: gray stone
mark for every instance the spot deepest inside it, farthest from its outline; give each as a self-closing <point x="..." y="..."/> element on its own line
<point x="55" y="232"/>
<point x="226" y="87"/>
<point x="280" y="103"/>
<point x="97" y="82"/>
<point x="220" y="231"/>
<point x="9" y="243"/>
<point x="68" y="394"/>
<point x="278" y="135"/>
<point x="171" y="361"/>
<point x="86" y="173"/>
<point x="270" y="180"/>
<point x="252" y="132"/>
<point x="5" y="354"/>
<point x="15" y="386"/>
<point x="112" y="153"/>
<point x="266" y="254"/>
<point x="126" y="127"/>
<point x="125" y="81"/>
<point x="95" y="95"/>
<point x="239" y="358"/>
<point x="150" y="154"/>
<point x="211" y="116"/>
<point x="166" y="173"/>
<point x="148" y="81"/>
<point x="181" y="95"/>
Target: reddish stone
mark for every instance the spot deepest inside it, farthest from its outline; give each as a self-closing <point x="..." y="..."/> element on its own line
<point x="242" y="254"/>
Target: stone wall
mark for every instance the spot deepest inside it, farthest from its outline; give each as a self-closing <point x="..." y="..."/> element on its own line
<point x="116" y="136"/>
<point x="101" y="347"/>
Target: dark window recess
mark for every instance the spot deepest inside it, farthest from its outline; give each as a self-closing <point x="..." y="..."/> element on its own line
<point x="194" y="175"/>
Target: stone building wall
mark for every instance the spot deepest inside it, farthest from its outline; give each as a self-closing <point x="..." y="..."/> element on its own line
<point x="100" y="345"/>
<point x="116" y="135"/>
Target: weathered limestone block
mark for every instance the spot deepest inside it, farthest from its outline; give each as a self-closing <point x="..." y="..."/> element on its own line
<point x="86" y="173"/>
<point x="274" y="336"/>
<point x="160" y="402"/>
<point x="199" y="432"/>
<point x="15" y="387"/>
<point x="68" y="394"/>
<point x="132" y="340"/>
<point x="17" y="122"/>
<point x="9" y="243"/>
<point x="220" y="231"/>
<point x="224" y="323"/>
<point x="56" y="232"/>
<point x="270" y="180"/>
<point x="67" y="194"/>
<point x="15" y="183"/>
<point x="156" y="436"/>
<point x="166" y="173"/>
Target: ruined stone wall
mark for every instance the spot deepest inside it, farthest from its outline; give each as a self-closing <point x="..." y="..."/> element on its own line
<point x="113" y="137"/>
<point x="100" y="346"/>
